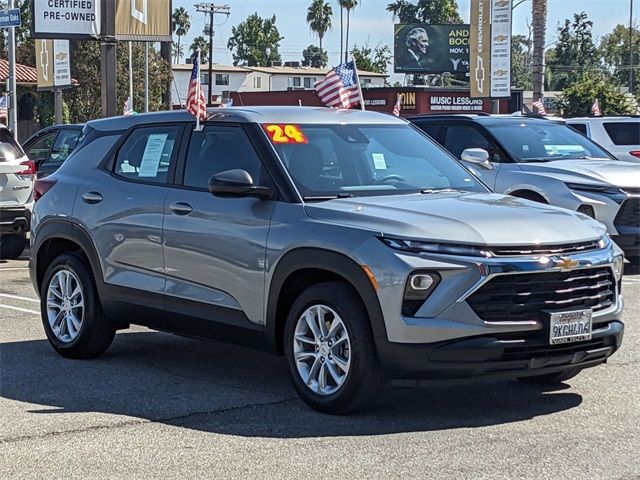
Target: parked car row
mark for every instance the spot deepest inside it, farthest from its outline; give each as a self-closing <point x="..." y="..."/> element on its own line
<point x="348" y="241"/>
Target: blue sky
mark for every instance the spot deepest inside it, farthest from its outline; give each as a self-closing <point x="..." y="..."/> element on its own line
<point x="373" y="24"/>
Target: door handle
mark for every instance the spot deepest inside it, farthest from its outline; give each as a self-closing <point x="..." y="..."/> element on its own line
<point x="181" y="208"/>
<point x="92" y="197"/>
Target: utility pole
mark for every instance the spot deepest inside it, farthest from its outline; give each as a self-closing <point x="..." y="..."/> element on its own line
<point x="631" y="69"/>
<point x="108" y="58"/>
<point x="12" y="110"/>
<point x="211" y="9"/>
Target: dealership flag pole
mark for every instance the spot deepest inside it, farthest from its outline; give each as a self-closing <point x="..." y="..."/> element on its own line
<point x="146" y="76"/>
<point x="131" y="73"/>
<point x="355" y="68"/>
<point x="12" y="110"/>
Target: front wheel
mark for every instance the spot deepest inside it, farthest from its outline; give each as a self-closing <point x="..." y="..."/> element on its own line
<point x="71" y="312"/>
<point x="330" y="350"/>
<point x="551" y="378"/>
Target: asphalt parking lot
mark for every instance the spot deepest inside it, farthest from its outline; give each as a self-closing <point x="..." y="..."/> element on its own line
<point x="157" y="405"/>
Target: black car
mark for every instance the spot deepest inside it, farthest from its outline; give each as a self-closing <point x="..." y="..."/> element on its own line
<point x="51" y="146"/>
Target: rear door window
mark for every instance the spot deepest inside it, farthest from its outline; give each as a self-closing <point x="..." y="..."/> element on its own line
<point x="148" y="154"/>
<point x="580" y="127"/>
<point x="623" y="133"/>
<point x="433" y="130"/>
<point x="40" y="149"/>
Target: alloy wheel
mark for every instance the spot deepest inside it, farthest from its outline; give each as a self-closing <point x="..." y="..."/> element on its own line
<point x="322" y="349"/>
<point x="65" y="306"/>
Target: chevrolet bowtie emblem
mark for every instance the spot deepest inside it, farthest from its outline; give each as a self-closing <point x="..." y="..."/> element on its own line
<point x="567" y="263"/>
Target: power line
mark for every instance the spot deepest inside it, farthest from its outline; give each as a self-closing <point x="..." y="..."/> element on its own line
<point x="211" y="9"/>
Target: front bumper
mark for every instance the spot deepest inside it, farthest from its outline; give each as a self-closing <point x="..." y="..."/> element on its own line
<point x="14" y="220"/>
<point x="498" y="356"/>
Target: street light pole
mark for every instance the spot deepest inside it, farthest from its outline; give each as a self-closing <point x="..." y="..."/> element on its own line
<point x="12" y="111"/>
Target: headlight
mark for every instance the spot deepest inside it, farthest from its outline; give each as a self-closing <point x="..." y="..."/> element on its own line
<point x="607" y="190"/>
<point x="416" y="246"/>
<point x="618" y="267"/>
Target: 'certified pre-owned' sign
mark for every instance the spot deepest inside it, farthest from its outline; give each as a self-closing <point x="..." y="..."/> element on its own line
<point x="66" y="18"/>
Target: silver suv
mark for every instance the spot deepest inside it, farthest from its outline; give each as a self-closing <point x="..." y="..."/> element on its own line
<point x="17" y="174"/>
<point x="346" y="240"/>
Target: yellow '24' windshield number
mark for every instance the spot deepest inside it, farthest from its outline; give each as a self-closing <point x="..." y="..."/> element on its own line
<point x="285" y="133"/>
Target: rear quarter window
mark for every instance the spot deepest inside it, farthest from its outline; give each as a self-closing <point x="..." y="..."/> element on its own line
<point x="9" y="148"/>
<point x="580" y="127"/>
<point x="623" y="133"/>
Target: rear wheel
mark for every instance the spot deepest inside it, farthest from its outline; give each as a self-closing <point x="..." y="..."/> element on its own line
<point x="330" y="351"/>
<point x="12" y="245"/>
<point x="71" y="313"/>
<point x="551" y="378"/>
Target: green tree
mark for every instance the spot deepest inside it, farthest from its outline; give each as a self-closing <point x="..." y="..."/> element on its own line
<point x="372" y="59"/>
<point x="574" y="51"/>
<point x="255" y="41"/>
<point x="578" y="98"/>
<point x="312" y="56"/>
<point x="614" y="50"/>
<point x="425" y="11"/>
<point x="200" y="43"/>
<point x="347" y="6"/>
<point x="319" y="16"/>
<point x="521" y="62"/>
<point x="181" y="24"/>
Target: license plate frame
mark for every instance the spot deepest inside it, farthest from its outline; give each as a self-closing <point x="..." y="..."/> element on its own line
<point x="570" y="326"/>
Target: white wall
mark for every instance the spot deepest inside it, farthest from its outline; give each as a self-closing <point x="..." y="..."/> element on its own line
<point x="181" y="82"/>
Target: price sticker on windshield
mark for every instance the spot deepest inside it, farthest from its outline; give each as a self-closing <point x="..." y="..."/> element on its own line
<point x="285" y="133"/>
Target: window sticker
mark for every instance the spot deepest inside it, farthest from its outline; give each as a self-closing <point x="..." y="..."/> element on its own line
<point x="152" y="155"/>
<point x="285" y="133"/>
<point x="379" y="162"/>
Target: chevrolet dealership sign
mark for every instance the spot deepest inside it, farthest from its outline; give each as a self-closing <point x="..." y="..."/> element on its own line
<point x="66" y="18"/>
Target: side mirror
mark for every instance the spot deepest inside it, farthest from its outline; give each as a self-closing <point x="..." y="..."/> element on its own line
<point x="237" y="183"/>
<point x="477" y="156"/>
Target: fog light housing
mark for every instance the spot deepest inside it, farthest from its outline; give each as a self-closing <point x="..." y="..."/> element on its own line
<point x="618" y="267"/>
<point x="587" y="210"/>
<point x="418" y="288"/>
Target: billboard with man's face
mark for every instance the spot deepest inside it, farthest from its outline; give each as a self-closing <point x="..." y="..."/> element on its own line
<point x="421" y="48"/>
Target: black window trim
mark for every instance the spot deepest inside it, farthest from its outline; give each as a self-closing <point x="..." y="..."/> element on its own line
<point x="108" y="164"/>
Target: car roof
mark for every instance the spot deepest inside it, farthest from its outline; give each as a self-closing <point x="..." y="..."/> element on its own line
<point x="257" y="114"/>
<point x="617" y="118"/>
<point x="487" y="119"/>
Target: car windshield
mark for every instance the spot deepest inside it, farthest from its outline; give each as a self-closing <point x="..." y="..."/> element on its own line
<point x="329" y="161"/>
<point x="544" y="142"/>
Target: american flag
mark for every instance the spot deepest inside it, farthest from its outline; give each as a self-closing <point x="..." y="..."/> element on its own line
<point x="3" y="106"/>
<point x="397" y="106"/>
<point x="196" y="101"/>
<point x="595" y="109"/>
<point x="538" y="107"/>
<point x="340" y="87"/>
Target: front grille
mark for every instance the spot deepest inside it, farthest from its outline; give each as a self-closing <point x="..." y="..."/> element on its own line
<point x="629" y="213"/>
<point x="528" y="296"/>
<point x="545" y="249"/>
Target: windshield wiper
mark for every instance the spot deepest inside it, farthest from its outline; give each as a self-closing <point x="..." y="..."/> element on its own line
<point x="322" y="198"/>
<point x="441" y="190"/>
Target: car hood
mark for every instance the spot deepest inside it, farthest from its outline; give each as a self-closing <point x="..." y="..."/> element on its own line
<point x="613" y="172"/>
<point x="476" y="219"/>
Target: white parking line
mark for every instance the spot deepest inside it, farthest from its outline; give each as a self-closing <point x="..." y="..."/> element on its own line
<point x="25" y="310"/>
<point x="630" y="280"/>
<point x="17" y="297"/>
<point x="14" y="268"/>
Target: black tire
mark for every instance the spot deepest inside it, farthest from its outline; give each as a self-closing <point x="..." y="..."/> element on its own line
<point x="634" y="260"/>
<point x="364" y="378"/>
<point x="551" y="378"/>
<point x="96" y="331"/>
<point x="12" y="245"/>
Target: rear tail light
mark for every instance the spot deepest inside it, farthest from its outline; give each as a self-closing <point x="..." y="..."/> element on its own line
<point x="42" y="186"/>
<point x="635" y="153"/>
<point x="30" y="169"/>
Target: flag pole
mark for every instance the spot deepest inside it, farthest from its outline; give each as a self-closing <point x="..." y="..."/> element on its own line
<point x="355" y="68"/>
<point x="198" y="91"/>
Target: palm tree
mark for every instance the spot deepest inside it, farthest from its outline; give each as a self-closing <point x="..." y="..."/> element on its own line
<point x="539" y="27"/>
<point x="319" y="19"/>
<point x="347" y="5"/>
<point x="181" y="25"/>
<point x="200" y="43"/>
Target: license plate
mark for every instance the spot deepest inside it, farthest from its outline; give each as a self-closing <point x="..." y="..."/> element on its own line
<point x="568" y="327"/>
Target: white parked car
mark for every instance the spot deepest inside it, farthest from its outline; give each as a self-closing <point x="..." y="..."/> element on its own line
<point x="17" y="175"/>
<point x="619" y="135"/>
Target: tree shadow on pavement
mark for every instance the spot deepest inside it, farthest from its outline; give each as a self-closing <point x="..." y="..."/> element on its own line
<point x="215" y="387"/>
